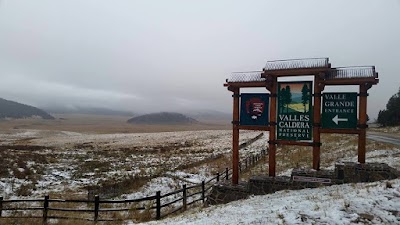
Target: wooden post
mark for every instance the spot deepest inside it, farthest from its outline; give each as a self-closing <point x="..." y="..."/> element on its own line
<point x="317" y="123"/>
<point x="96" y="207"/>
<point x="203" y="191"/>
<point x="217" y="176"/>
<point x="158" y="205"/>
<point x="362" y="122"/>
<point x="184" y="198"/>
<point x="1" y="206"/>
<point x="235" y="137"/>
<point x="45" y="208"/>
<point x="226" y="173"/>
<point x="272" y="131"/>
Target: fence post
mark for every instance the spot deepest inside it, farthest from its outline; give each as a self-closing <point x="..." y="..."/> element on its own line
<point x="217" y="176"/>
<point x="1" y="205"/>
<point x="184" y="197"/>
<point x="226" y="173"/>
<point x="203" y="191"/>
<point x="45" y="208"/>
<point x="96" y="207"/>
<point x="158" y="205"/>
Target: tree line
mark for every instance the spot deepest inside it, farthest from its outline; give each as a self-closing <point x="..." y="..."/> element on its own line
<point x="391" y="115"/>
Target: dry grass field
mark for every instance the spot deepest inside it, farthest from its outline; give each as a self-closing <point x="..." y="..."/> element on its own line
<point x="104" y="124"/>
<point x="68" y="156"/>
<point x="390" y="131"/>
<point x="73" y="155"/>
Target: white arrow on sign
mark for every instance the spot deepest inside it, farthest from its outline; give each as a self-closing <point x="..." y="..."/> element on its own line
<point x="336" y="119"/>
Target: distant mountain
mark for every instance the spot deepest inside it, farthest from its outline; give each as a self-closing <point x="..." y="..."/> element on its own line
<point x="15" y="110"/>
<point x="162" y="118"/>
<point x="89" y="110"/>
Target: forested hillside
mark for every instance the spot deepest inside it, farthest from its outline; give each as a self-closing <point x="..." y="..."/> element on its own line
<point x="15" y="110"/>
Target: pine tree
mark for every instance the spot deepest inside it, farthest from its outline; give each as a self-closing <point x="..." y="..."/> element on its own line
<point x="391" y="115"/>
<point x="288" y="97"/>
<point x="305" y="95"/>
<point x="281" y="100"/>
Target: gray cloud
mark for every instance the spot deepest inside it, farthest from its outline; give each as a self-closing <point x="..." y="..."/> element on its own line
<point x="172" y="55"/>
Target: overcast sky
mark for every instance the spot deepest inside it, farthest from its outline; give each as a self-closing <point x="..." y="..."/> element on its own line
<point x="174" y="55"/>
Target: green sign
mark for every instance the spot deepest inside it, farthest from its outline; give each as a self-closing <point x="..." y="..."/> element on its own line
<point x="294" y="111"/>
<point x="339" y="110"/>
<point x="254" y="109"/>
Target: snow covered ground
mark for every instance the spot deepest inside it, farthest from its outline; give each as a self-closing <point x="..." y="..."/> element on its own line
<point x="364" y="203"/>
<point x="68" y="162"/>
<point x="361" y="203"/>
<point x="39" y="162"/>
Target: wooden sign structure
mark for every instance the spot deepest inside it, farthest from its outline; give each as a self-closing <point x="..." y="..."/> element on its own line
<point x="323" y="75"/>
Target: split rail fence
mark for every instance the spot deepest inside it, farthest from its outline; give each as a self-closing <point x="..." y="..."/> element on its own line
<point x="142" y="209"/>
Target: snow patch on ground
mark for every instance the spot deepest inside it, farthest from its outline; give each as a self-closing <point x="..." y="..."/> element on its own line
<point x="371" y="203"/>
<point x="163" y="184"/>
<point x="390" y="157"/>
<point x="189" y="177"/>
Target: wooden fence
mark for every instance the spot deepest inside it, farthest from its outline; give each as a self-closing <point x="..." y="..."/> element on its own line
<point x="147" y="208"/>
